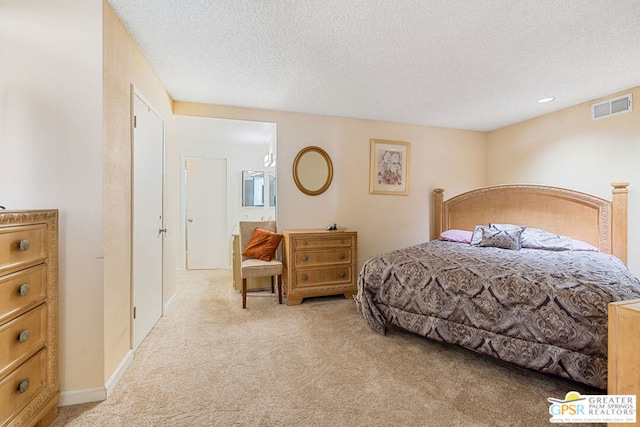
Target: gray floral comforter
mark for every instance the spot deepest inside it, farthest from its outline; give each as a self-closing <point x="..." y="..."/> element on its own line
<point x="544" y="310"/>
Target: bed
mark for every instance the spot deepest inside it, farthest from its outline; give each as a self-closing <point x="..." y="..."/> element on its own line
<point x="541" y="307"/>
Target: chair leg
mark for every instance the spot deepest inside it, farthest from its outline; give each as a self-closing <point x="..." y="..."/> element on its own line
<point x="279" y="289"/>
<point x="272" y="288"/>
<point x="244" y="293"/>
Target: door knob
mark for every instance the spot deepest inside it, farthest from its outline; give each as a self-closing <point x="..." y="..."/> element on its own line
<point x="162" y="230"/>
<point x="190" y="220"/>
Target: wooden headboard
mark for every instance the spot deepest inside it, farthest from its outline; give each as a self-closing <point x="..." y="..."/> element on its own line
<point x="592" y="219"/>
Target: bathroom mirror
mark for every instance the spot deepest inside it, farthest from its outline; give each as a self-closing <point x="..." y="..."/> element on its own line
<point x="312" y="170"/>
<point x="272" y="188"/>
<point x="252" y="188"/>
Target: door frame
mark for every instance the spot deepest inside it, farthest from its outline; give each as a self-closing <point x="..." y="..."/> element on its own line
<point x="206" y="143"/>
<point x="135" y="92"/>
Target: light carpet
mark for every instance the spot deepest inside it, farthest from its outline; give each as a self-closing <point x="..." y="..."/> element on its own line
<point x="208" y="362"/>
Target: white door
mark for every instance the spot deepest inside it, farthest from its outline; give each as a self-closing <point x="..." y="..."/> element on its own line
<point x="148" y="148"/>
<point x="207" y="240"/>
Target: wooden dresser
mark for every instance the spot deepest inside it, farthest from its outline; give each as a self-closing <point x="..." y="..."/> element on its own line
<point x="624" y="352"/>
<point x="318" y="263"/>
<point x="29" y="391"/>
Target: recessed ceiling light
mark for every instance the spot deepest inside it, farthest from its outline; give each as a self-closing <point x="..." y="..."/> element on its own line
<point x="545" y="100"/>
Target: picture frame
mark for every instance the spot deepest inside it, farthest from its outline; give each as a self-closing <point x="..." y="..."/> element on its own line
<point x="389" y="169"/>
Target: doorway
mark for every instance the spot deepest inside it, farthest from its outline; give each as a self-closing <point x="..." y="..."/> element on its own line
<point x="245" y="146"/>
<point x="147" y="219"/>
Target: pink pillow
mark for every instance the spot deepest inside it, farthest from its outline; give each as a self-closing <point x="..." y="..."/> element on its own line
<point x="460" y="236"/>
<point x="579" y="245"/>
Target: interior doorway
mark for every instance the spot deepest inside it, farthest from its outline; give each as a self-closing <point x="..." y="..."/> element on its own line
<point x="245" y="146"/>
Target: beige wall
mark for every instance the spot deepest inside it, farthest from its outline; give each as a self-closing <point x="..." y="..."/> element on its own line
<point x="124" y="65"/>
<point x="51" y="156"/>
<point x="568" y="149"/>
<point x="454" y="160"/>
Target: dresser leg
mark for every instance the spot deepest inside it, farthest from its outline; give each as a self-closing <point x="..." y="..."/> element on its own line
<point x="350" y="294"/>
<point x="48" y="417"/>
<point x="294" y="300"/>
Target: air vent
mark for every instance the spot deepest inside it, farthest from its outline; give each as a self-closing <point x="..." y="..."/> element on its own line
<point x="612" y="107"/>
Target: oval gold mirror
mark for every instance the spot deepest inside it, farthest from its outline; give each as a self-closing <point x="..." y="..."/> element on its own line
<point x="312" y="170"/>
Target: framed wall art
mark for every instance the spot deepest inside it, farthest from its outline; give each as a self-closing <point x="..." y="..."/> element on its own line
<point x="389" y="170"/>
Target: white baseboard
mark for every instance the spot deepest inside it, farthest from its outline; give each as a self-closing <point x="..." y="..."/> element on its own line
<point x="170" y="302"/>
<point x="119" y="372"/>
<point x="75" y="397"/>
<point x="96" y="394"/>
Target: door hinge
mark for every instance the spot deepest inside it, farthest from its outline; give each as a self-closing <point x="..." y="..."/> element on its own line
<point x="135" y="122"/>
<point x="134" y="312"/>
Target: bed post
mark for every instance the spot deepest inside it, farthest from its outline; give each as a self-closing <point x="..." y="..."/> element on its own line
<point x="438" y="197"/>
<point x="619" y="215"/>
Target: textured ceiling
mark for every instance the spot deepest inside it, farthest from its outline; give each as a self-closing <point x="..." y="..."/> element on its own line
<point x="464" y="64"/>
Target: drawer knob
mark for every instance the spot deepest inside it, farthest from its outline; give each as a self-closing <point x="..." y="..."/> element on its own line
<point x="24" y="289"/>
<point x="24" y="245"/>
<point x="23" y="336"/>
<point x="304" y="242"/>
<point x="305" y="277"/>
<point x="342" y="242"/>
<point x="24" y="385"/>
<point x="342" y="274"/>
<point x="305" y="258"/>
<point x="342" y="256"/>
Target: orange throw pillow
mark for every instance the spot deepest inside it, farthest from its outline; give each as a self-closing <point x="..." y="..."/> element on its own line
<point x="263" y="244"/>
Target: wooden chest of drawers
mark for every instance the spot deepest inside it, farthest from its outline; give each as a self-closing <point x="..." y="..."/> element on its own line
<point x="318" y="263"/>
<point x="28" y="318"/>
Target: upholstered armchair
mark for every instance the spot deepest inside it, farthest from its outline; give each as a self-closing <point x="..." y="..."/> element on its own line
<point x="258" y="244"/>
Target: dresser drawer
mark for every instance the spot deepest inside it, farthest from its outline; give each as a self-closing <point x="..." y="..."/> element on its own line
<point x="22" y="337"/>
<point x="22" y="246"/>
<point x="323" y="276"/>
<point x="318" y="258"/>
<point x="324" y="242"/>
<point x="34" y="373"/>
<point x="22" y="290"/>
